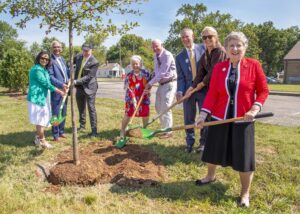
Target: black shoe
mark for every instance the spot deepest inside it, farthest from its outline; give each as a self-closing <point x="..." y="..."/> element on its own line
<point x="81" y="129"/>
<point x="189" y="149"/>
<point x="201" y="183"/>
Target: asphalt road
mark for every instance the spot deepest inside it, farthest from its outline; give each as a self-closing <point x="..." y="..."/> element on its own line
<point x="286" y="109"/>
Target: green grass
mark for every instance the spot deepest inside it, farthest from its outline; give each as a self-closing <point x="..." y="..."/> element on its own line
<point x="284" y="87"/>
<point x="275" y="187"/>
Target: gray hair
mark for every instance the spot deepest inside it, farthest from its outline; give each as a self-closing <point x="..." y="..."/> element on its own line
<point x="136" y="58"/>
<point x="240" y="36"/>
<point x="186" y="29"/>
<point x="55" y="42"/>
<point x="158" y="41"/>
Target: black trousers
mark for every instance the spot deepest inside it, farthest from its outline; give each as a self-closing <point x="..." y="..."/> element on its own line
<point x="82" y="100"/>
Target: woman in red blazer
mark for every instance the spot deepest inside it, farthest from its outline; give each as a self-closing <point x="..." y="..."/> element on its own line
<point x="238" y="88"/>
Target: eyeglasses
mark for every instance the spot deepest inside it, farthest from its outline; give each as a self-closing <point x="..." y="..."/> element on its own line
<point x="207" y="37"/>
<point x="43" y="58"/>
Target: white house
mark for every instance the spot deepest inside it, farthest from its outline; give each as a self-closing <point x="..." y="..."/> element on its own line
<point x="110" y="70"/>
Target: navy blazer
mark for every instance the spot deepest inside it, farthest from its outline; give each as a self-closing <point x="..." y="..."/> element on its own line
<point x="57" y="75"/>
<point x="184" y="70"/>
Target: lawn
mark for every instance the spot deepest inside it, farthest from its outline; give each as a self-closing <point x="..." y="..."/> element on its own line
<point x="275" y="189"/>
<point x="284" y="87"/>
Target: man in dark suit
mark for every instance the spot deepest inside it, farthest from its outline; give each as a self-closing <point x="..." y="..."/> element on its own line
<point x="187" y="63"/>
<point x="59" y="76"/>
<point x="86" y="87"/>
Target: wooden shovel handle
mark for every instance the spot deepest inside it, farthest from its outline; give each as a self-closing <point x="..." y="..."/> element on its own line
<point x="170" y="107"/>
<point x="219" y="122"/>
<point x="137" y="107"/>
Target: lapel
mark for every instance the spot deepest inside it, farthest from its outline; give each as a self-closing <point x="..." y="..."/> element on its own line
<point x="64" y="74"/>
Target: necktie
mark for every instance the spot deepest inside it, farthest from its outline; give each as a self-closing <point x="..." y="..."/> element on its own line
<point x="193" y="63"/>
<point x="81" y="67"/>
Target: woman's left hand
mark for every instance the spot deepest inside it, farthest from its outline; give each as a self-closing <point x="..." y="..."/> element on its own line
<point x="250" y="115"/>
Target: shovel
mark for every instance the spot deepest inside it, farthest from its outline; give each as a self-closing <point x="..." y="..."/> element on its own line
<point x="168" y="109"/>
<point x="121" y="143"/>
<point x="148" y="134"/>
<point x="56" y="120"/>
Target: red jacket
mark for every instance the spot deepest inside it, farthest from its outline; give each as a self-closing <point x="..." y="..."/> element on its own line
<point x="251" y="89"/>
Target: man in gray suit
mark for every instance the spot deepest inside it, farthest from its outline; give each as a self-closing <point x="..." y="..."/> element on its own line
<point x="187" y="63"/>
<point x="86" y="86"/>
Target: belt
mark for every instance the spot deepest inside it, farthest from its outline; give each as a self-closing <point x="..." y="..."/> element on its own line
<point x="168" y="81"/>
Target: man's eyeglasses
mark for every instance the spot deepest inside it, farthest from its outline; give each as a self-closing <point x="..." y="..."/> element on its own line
<point x="45" y="59"/>
<point x="207" y="37"/>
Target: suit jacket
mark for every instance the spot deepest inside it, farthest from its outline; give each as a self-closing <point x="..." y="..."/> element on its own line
<point x="39" y="84"/>
<point x="251" y="89"/>
<point x="58" y="77"/>
<point x="184" y="69"/>
<point x="88" y="78"/>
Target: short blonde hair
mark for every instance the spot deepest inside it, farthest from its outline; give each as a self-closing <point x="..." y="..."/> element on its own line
<point x="234" y="35"/>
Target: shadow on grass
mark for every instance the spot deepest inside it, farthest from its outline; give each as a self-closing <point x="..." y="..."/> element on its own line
<point x="182" y="191"/>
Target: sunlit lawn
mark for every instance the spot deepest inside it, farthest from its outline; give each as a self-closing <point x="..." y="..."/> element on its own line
<point x="275" y="187"/>
<point x="285" y="87"/>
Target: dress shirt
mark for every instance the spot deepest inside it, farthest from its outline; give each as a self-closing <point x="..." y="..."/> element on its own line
<point x="164" y="67"/>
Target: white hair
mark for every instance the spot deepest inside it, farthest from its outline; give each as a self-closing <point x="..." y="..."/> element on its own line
<point x="240" y="36"/>
<point x="136" y="58"/>
<point x="158" y="41"/>
<point x="186" y="29"/>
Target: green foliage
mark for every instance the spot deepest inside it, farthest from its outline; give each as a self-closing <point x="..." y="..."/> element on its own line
<point x="129" y="45"/>
<point x="196" y="18"/>
<point x="14" y="69"/>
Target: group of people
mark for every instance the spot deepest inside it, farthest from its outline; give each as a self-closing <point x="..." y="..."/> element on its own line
<point x="219" y="82"/>
<point x="50" y="73"/>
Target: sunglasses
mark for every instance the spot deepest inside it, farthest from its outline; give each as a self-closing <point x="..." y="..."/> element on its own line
<point x="43" y="58"/>
<point x="207" y="37"/>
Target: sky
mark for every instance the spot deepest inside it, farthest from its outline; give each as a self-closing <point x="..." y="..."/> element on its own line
<point x="158" y="15"/>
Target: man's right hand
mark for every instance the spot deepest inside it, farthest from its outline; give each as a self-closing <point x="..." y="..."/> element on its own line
<point x="188" y="93"/>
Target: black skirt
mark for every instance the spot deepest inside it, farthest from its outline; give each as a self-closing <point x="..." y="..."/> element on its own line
<point x="232" y="145"/>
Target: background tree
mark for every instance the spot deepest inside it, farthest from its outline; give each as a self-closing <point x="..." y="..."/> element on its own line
<point x="7" y="34"/>
<point x="74" y="16"/>
<point x="14" y="69"/>
<point x="129" y="45"/>
<point x="196" y="18"/>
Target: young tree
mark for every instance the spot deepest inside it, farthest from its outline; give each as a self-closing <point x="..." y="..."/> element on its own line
<point x="74" y="16"/>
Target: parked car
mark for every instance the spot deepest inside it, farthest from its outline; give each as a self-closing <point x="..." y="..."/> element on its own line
<point x="272" y="80"/>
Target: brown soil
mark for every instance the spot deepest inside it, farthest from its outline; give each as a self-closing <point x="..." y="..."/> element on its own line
<point x="102" y="163"/>
<point x="135" y="133"/>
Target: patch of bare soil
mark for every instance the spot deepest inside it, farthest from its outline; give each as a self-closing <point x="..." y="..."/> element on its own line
<point x="101" y="162"/>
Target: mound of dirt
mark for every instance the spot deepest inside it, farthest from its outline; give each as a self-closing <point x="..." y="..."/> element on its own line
<point x="101" y="162"/>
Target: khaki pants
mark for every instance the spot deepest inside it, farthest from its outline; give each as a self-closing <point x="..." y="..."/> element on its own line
<point x="165" y="95"/>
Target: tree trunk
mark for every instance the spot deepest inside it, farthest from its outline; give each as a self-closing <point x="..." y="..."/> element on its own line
<point x="74" y="127"/>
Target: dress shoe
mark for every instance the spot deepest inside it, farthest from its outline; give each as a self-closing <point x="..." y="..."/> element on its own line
<point x="63" y="136"/>
<point x="202" y="183"/>
<point x="189" y="149"/>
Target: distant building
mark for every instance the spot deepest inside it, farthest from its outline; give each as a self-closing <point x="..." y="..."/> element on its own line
<point x="292" y="65"/>
<point x="110" y="70"/>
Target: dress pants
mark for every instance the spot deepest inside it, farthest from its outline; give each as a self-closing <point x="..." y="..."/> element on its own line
<point x="165" y="95"/>
<point x="190" y="111"/>
<point x="82" y="100"/>
<point x="55" y="105"/>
